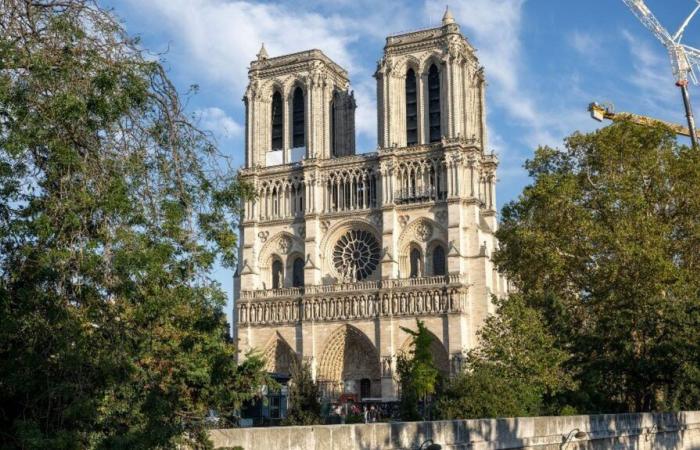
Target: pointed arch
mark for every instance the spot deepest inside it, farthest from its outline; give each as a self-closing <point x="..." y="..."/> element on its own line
<point x="277" y="119"/>
<point x="279" y="357"/>
<point x="411" y="94"/>
<point x="298" y="118"/>
<point x="277" y="273"/>
<point x="439" y="261"/>
<point x="434" y="104"/>
<point x="298" y="271"/>
<point x="417" y="235"/>
<point x="441" y="358"/>
<point x="349" y="356"/>
<point x="416" y="263"/>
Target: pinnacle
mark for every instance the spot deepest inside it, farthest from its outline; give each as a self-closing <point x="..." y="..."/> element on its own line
<point x="448" y="18"/>
<point x="262" y="54"/>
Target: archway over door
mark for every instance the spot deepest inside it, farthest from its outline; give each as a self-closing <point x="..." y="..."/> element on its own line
<point x="280" y="359"/>
<point x="348" y="358"/>
<point x="441" y="358"/>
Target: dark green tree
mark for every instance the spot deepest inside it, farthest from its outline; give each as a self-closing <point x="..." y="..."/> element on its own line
<point x="514" y="372"/>
<point x="304" y="405"/>
<point x="418" y="377"/>
<point x="112" y="214"/>
<point x="605" y="243"/>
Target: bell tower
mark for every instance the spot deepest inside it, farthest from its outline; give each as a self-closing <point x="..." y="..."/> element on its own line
<point x="298" y="107"/>
<point x="429" y="86"/>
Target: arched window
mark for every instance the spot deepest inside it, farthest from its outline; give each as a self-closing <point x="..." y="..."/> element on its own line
<point x="277" y="126"/>
<point x="277" y="274"/>
<point x="298" y="137"/>
<point x="439" y="260"/>
<point x="415" y="263"/>
<point x="333" y="125"/>
<point x="298" y="272"/>
<point x="434" y="103"/>
<point x="411" y="108"/>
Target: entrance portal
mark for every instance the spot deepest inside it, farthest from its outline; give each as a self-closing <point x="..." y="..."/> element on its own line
<point x="349" y="365"/>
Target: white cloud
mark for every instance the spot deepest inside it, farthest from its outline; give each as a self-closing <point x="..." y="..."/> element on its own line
<point x="218" y="122"/>
<point x="652" y="68"/>
<point x="218" y="39"/>
<point x="214" y="41"/>
<point x="494" y="27"/>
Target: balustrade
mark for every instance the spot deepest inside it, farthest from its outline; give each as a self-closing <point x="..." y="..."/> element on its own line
<point x="365" y="300"/>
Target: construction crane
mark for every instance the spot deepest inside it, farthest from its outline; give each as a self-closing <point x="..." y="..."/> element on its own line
<point x="683" y="57"/>
<point x="605" y="111"/>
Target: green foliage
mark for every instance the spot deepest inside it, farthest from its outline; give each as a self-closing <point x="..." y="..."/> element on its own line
<point x="605" y="243"/>
<point x="515" y="369"/>
<point x="111" y="216"/>
<point x="304" y="405"/>
<point x="417" y="374"/>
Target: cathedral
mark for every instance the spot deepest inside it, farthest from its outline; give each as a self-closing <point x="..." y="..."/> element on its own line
<point x="339" y="250"/>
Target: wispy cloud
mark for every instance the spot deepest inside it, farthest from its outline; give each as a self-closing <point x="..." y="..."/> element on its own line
<point x="216" y="40"/>
<point x="495" y="27"/>
<point x="219" y="123"/>
<point x="585" y="44"/>
<point x="651" y="74"/>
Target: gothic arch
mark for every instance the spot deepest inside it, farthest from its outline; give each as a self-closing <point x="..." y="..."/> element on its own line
<point x="429" y="60"/>
<point x="418" y="234"/>
<point x="409" y="62"/>
<point x="430" y="256"/>
<point x="275" y="86"/>
<point x="279" y="356"/>
<point x="282" y="245"/>
<point x="291" y="84"/>
<point x="348" y="355"/>
<point x="441" y="358"/>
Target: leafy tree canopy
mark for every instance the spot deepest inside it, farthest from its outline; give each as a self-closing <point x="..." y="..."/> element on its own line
<point x="513" y="372"/>
<point x="112" y="213"/>
<point x="605" y="243"/>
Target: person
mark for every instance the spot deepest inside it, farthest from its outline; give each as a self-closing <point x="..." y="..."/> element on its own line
<point x="365" y="413"/>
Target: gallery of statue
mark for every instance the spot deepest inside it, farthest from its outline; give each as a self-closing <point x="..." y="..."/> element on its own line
<point x="340" y="250"/>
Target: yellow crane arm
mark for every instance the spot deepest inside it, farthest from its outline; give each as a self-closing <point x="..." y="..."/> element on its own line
<point x="600" y="112"/>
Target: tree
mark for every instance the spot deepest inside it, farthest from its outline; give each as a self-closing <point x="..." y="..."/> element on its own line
<point x="111" y="217"/>
<point x="417" y="374"/>
<point x="513" y="372"/>
<point x="605" y="243"/>
<point x="304" y="405"/>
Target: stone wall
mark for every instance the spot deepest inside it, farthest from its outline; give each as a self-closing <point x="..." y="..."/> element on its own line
<point x="622" y="431"/>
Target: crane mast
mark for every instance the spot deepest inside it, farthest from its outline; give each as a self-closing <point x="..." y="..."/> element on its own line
<point x="683" y="58"/>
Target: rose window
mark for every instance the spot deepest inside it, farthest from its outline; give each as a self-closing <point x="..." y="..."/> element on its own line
<point x="356" y="255"/>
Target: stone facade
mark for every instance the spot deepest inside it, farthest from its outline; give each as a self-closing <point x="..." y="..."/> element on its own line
<point x="340" y="250"/>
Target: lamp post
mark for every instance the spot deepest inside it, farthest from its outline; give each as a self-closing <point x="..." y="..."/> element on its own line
<point x="576" y="433"/>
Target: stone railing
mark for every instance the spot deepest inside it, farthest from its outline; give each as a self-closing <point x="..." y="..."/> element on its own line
<point x="364" y="300"/>
<point x="272" y="293"/>
<point x="419" y="195"/>
<point x="647" y="431"/>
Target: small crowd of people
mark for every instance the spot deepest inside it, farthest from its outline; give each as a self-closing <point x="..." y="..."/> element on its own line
<point x="349" y="412"/>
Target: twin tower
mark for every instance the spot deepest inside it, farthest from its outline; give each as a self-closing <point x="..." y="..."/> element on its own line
<point x="429" y="87"/>
<point x="340" y="250"/>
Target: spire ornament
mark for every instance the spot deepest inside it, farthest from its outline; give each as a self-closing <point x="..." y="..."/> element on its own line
<point x="448" y="18"/>
<point x="262" y="54"/>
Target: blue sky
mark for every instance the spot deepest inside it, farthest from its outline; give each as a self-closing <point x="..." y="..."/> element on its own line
<point x="545" y="60"/>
